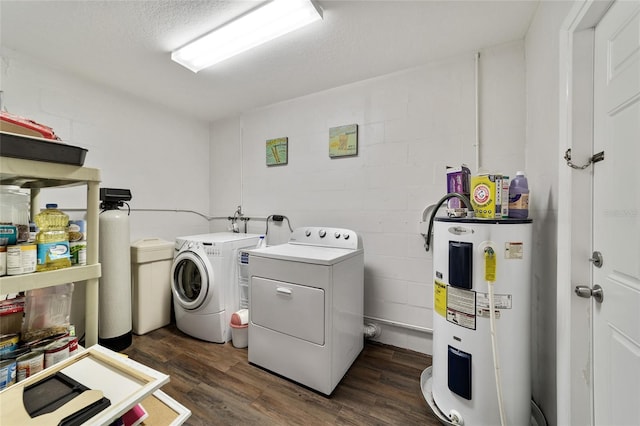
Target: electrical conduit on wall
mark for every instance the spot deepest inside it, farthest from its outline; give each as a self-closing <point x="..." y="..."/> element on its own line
<point x="477" y="101"/>
<point x="430" y="207"/>
<point x="397" y="324"/>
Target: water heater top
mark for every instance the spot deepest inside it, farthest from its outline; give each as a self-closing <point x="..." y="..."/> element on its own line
<point x="508" y="221"/>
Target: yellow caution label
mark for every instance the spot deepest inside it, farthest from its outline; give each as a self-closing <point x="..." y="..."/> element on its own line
<point x="489" y="266"/>
<point x="440" y="298"/>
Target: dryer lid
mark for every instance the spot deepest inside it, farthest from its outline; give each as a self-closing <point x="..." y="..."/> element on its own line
<point x="305" y="254"/>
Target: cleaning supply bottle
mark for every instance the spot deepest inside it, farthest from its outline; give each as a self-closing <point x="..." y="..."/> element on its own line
<point x="52" y="239"/>
<point x="261" y="242"/>
<point x="519" y="197"/>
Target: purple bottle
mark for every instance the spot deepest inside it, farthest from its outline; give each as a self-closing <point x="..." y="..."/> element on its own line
<point x="519" y="197"/>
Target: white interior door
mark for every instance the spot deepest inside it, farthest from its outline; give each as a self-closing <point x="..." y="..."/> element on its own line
<point x="616" y="215"/>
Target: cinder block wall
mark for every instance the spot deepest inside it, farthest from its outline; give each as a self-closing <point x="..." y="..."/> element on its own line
<point x="411" y="125"/>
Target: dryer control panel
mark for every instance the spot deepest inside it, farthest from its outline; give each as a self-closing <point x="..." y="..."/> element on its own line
<point x="326" y="237"/>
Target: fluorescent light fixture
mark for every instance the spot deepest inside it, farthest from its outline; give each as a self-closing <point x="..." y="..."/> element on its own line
<point x="265" y="23"/>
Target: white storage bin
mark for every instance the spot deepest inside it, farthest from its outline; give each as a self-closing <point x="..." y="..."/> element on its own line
<point x="240" y="335"/>
<point x="151" y="260"/>
<point x="240" y="328"/>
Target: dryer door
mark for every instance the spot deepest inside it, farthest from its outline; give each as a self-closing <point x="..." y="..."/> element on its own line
<point x="190" y="280"/>
<point x="292" y="309"/>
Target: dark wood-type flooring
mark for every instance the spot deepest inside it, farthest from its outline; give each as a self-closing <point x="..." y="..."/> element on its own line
<point x="220" y="387"/>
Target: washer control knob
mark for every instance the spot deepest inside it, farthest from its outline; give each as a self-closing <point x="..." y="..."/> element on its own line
<point x="322" y="233"/>
<point x="307" y="233"/>
<point x="346" y="236"/>
<point x="337" y="234"/>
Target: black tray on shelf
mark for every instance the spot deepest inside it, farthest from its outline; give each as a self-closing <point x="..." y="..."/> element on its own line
<point x="38" y="149"/>
<point x="53" y="392"/>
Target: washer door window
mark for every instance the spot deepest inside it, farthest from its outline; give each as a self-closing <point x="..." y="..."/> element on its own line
<point x="190" y="280"/>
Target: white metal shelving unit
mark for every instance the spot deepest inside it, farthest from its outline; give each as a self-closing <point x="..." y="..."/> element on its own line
<point x="37" y="175"/>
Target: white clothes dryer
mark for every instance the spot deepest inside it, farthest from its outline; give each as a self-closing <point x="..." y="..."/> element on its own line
<point x="306" y="302"/>
<point x="204" y="283"/>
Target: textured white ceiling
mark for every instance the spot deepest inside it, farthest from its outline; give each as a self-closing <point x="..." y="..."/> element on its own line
<point x="126" y="45"/>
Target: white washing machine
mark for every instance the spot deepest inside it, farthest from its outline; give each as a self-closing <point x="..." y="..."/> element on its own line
<point x="306" y="306"/>
<point x="204" y="283"/>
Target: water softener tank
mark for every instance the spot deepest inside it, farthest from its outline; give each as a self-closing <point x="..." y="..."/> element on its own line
<point x="115" y="324"/>
<point x="469" y="256"/>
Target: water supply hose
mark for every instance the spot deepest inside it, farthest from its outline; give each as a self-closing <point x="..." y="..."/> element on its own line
<point x="490" y="276"/>
<point x="464" y="199"/>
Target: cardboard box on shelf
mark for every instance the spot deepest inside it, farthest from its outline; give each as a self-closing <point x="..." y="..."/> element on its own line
<point x="486" y="195"/>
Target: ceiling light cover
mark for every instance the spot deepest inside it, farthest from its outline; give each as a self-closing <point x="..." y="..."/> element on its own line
<point x="268" y="22"/>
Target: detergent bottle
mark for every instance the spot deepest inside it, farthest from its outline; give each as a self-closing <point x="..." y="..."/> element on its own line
<point x="519" y="197"/>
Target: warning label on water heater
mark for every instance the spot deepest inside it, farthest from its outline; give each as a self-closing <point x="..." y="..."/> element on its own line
<point x="513" y="250"/>
<point x="500" y="301"/>
<point x="440" y="298"/>
<point x="461" y="307"/>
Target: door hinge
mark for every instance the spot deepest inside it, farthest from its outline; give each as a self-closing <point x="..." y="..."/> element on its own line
<point x="594" y="159"/>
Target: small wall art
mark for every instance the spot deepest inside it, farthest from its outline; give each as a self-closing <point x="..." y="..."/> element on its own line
<point x="277" y="151"/>
<point x="343" y="141"/>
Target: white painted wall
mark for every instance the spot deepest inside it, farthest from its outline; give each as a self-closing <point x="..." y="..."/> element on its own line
<point x="411" y="125"/>
<point x="161" y="157"/>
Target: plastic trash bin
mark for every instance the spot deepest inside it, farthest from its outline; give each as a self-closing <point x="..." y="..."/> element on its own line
<point x="151" y="260"/>
<point x="240" y="328"/>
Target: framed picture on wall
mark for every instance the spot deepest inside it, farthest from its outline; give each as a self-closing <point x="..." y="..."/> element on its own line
<point x="277" y="151"/>
<point x="343" y="141"/>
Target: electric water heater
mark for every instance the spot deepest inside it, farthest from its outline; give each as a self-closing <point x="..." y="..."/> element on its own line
<point x="481" y="373"/>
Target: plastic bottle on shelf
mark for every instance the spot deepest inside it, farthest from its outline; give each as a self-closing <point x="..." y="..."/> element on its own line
<point x="519" y="197"/>
<point x="52" y="239"/>
<point x="261" y="242"/>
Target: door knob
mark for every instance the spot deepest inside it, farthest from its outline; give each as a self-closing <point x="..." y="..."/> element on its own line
<point x="583" y="291"/>
<point x="596" y="292"/>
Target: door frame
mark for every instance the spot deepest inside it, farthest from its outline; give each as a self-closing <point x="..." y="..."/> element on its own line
<point x="574" y="375"/>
